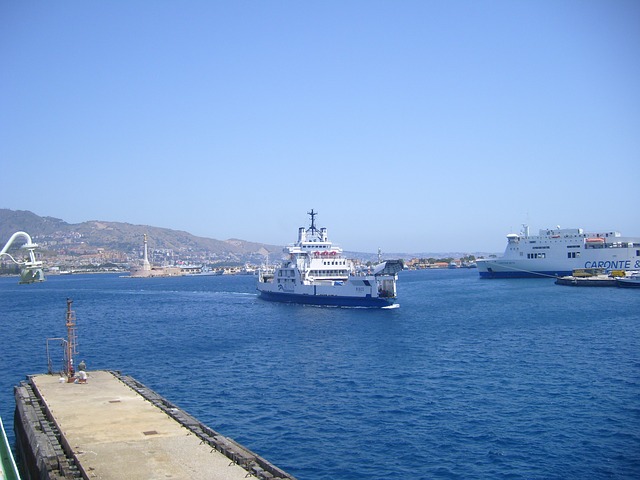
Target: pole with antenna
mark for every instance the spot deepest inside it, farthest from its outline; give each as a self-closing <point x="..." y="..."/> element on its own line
<point x="72" y="341"/>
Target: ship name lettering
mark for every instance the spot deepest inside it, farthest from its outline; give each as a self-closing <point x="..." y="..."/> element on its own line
<point x="611" y="264"/>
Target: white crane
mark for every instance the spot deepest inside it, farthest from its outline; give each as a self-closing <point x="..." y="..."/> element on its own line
<point x="31" y="269"/>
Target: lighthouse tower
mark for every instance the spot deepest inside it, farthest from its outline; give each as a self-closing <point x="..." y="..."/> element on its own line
<point x="146" y="266"/>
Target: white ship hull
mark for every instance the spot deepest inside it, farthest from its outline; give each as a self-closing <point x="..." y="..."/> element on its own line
<point x="355" y="292"/>
<point x="558" y="252"/>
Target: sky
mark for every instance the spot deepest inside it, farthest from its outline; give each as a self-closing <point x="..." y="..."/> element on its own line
<point x="410" y="126"/>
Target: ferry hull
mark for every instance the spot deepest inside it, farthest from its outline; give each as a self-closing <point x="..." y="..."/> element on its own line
<point x="518" y="269"/>
<point x="626" y="259"/>
<point x="326" y="300"/>
<point x="492" y="273"/>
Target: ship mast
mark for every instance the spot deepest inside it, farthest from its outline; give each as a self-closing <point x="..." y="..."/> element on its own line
<point x="313" y="214"/>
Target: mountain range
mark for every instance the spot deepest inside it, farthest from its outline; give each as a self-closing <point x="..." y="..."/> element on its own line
<point x="54" y="234"/>
<point x="120" y="236"/>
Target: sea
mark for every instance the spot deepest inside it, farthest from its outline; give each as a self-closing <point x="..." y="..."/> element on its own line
<point x="467" y="379"/>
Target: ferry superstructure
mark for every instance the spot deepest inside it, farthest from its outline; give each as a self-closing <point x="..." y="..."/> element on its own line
<point x="557" y="252"/>
<point x="316" y="272"/>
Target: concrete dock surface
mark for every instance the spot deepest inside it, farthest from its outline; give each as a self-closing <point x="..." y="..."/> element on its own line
<point x="114" y="431"/>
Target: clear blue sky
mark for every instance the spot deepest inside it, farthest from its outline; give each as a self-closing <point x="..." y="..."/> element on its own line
<point x="414" y="126"/>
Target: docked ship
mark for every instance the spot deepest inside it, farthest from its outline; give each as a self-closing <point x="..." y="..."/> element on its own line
<point x="8" y="468"/>
<point x="315" y="272"/>
<point x="557" y="252"/>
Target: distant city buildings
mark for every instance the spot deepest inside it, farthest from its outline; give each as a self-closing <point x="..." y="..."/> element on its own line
<point x="68" y="252"/>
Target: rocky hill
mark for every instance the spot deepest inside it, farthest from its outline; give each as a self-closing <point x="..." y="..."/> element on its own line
<point x="54" y="233"/>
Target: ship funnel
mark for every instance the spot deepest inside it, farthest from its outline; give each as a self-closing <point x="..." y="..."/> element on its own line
<point x="302" y="234"/>
<point x="323" y="234"/>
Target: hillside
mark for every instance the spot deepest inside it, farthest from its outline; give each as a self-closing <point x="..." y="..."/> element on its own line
<point x="54" y="233"/>
<point x="59" y="238"/>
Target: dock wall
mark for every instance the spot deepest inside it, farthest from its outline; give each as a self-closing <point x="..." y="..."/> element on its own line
<point x="39" y="450"/>
<point x="44" y="453"/>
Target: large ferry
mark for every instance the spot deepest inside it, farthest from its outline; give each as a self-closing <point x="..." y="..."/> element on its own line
<point x="557" y="252"/>
<point x="315" y="272"/>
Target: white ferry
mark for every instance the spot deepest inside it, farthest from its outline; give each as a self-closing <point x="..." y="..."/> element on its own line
<point x="557" y="252"/>
<point x="316" y="273"/>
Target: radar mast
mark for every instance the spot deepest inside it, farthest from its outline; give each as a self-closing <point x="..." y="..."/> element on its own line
<point x="313" y="214"/>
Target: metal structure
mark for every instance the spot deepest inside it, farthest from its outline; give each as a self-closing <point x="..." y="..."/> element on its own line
<point x="63" y="344"/>
<point x="69" y="345"/>
<point x="72" y="339"/>
<point x="31" y="269"/>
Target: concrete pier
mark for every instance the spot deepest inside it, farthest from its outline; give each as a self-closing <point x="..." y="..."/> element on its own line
<point x="114" y="427"/>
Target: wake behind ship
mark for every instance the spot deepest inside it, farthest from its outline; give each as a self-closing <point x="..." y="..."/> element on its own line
<point x="557" y="252"/>
<point x="316" y="273"/>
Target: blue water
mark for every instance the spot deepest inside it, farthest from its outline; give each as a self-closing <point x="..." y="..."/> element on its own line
<point x="469" y="378"/>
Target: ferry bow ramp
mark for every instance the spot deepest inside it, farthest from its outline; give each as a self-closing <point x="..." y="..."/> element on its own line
<point x="114" y="427"/>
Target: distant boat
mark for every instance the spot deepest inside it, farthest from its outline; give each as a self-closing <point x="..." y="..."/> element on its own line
<point x="632" y="281"/>
<point x="557" y="252"/>
<point x="317" y="273"/>
<point x="248" y="270"/>
<point x="587" y="277"/>
<point x="207" y="271"/>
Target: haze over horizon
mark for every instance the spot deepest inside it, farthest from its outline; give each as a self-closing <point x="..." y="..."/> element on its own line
<point x="413" y="126"/>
